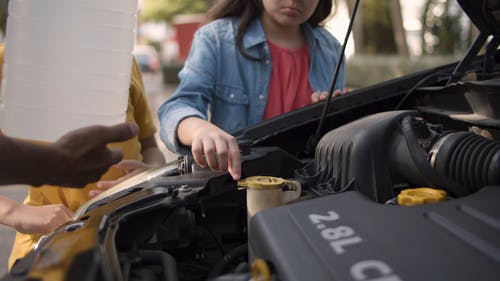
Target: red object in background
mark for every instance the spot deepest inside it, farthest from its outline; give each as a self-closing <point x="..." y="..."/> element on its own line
<point x="185" y="27"/>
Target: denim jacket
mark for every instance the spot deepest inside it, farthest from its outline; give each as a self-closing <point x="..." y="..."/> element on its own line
<point x="216" y="78"/>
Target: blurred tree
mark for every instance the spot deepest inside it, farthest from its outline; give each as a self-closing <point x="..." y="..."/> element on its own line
<point x="443" y="29"/>
<point x="3" y="15"/>
<point x="378" y="28"/>
<point x="165" y="10"/>
<point x="357" y="28"/>
<point x="398" y="28"/>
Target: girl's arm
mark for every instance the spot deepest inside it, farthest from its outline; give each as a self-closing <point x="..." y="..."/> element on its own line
<point x="211" y="146"/>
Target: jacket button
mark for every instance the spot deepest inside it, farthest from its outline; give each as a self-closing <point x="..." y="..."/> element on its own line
<point x="231" y="96"/>
<point x="261" y="97"/>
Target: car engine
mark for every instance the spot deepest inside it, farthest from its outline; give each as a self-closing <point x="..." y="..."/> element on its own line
<point x="189" y="223"/>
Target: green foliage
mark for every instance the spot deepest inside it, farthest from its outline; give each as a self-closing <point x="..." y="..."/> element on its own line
<point x="377" y="27"/>
<point x="366" y="70"/>
<point x="165" y="10"/>
<point x="442" y="28"/>
<point x="3" y="15"/>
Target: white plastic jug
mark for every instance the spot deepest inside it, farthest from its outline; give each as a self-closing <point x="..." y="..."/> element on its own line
<point x="67" y="65"/>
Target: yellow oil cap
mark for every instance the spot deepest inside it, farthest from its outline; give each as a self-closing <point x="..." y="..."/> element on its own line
<point x="262" y="182"/>
<point x="260" y="271"/>
<point x="420" y="196"/>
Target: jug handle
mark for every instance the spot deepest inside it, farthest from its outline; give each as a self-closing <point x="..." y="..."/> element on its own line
<point x="291" y="191"/>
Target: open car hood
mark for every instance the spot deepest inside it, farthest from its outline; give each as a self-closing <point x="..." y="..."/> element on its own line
<point x="485" y="14"/>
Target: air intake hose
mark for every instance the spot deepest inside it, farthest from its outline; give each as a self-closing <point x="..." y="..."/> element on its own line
<point x="460" y="162"/>
<point x="467" y="159"/>
<point x="380" y="153"/>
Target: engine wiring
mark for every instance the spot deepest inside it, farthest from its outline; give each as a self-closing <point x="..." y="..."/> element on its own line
<point x="437" y="76"/>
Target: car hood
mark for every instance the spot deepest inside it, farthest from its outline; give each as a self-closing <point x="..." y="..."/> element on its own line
<point x="484" y="14"/>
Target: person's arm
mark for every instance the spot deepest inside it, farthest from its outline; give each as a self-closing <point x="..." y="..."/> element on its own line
<point x="151" y="153"/>
<point x="77" y="158"/>
<point x="183" y="117"/>
<point x="152" y="157"/>
<point x="32" y="219"/>
<point x="210" y="145"/>
<point x="195" y="91"/>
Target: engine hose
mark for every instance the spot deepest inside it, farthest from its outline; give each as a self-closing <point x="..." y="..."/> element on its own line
<point x="419" y="157"/>
<point x="232" y="256"/>
<point x="468" y="159"/>
<point x="166" y="261"/>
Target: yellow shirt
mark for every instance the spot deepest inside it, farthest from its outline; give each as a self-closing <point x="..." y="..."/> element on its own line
<point x="138" y="112"/>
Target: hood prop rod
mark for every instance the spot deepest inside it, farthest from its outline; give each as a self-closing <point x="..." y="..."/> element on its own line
<point x="314" y="141"/>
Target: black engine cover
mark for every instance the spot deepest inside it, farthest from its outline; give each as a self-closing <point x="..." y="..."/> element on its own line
<point x="348" y="237"/>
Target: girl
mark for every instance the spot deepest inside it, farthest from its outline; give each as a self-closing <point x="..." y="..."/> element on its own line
<point x="254" y="60"/>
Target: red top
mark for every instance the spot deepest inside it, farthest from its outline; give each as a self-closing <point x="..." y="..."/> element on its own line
<point x="289" y="86"/>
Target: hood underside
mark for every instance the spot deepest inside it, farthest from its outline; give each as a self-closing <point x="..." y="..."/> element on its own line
<point x="484" y="14"/>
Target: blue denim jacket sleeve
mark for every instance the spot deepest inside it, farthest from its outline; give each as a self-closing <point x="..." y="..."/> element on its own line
<point x="193" y="95"/>
<point x="325" y="53"/>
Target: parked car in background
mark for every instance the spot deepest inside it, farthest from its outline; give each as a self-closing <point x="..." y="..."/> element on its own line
<point x="362" y="214"/>
<point x="147" y="57"/>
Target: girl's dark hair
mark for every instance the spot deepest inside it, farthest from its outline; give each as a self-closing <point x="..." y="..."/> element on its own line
<point x="247" y="10"/>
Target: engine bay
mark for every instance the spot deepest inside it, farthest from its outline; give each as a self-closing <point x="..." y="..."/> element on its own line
<point x="188" y="223"/>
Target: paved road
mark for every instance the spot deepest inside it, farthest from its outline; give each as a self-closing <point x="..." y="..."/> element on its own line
<point x="157" y="93"/>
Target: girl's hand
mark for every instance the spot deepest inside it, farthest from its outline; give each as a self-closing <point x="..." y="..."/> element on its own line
<point x="211" y="146"/>
<point x="321" y="96"/>
<point x="129" y="167"/>
<point x="39" y="219"/>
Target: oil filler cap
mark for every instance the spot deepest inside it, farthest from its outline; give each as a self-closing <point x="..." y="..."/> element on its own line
<point x="260" y="270"/>
<point x="262" y="182"/>
<point x="420" y="196"/>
